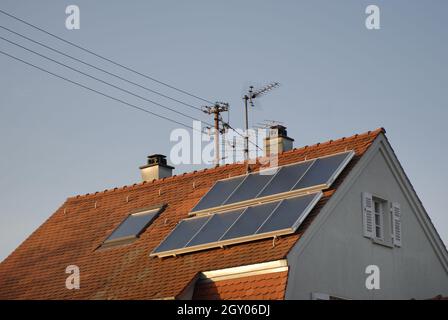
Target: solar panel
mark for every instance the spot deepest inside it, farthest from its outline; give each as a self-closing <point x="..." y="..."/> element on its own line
<point x="133" y="225"/>
<point x="288" y="213"/>
<point x="183" y="232"/>
<point x="317" y="173"/>
<point x="285" y="179"/>
<point x="215" y="228"/>
<point x="220" y="191"/>
<point x="246" y="224"/>
<point x="250" y="187"/>
<point x="250" y="221"/>
<point x="322" y="170"/>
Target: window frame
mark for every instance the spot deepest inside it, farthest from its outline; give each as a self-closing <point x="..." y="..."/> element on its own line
<point x="131" y="238"/>
<point x="386" y="219"/>
<point x="378" y="225"/>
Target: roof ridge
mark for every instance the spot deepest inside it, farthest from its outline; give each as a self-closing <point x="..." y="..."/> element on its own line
<point x="217" y="168"/>
<point x="367" y="133"/>
<point x="78" y="228"/>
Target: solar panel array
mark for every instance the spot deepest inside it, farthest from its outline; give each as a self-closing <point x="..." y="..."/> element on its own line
<point x="246" y="224"/>
<point x="297" y="189"/>
<point x="303" y="175"/>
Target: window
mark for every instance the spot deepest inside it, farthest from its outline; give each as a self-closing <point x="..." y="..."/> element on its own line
<point x="378" y="211"/>
<point x="381" y="220"/>
<point x="131" y="227"/>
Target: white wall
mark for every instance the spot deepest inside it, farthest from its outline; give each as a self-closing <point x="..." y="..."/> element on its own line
<point x="332" y="255"/>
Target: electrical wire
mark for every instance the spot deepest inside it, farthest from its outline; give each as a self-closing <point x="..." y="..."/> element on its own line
<point x="113" y="98"/>
<point x="113" y="62"/>
<point x="251" y="142"/>
<point x="99" y="92"/>
<point x="104" y="58"/>
<point x="100" y="69"/>
<point x="100" y="80"/>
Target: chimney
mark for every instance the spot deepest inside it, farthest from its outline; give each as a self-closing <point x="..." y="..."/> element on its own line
<point x="277" y="141"/>
<point x="156" y="168"/>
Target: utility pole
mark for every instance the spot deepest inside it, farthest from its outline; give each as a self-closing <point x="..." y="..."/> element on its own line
<point x="248" y="98"/>
<point x="216" y="111"/>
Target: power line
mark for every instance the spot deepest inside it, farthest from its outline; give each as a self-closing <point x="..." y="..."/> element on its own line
<point x="116" y="99"/>
<point x="99" y="92"/>
<point x="241" y="135"/>
<point x="227" y="124"/>
<point x="104" y="58"/>
<point x="100" y="69"/>
<point x="113" y="62"/>
<point x="100" y="80"/>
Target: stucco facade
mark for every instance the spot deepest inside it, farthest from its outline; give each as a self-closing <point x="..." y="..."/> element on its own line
<point x="333" y="254"/>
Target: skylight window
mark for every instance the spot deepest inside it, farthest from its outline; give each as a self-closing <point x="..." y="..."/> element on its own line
<point x="131" y="227"/>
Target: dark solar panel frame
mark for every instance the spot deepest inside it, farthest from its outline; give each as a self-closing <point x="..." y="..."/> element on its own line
<point x="214" y="186"/>
<point x="303" y="212"/>
<point x="255" y="175"/>
<point x="327" y="184"/>
<point x="278" y="172"/>
<point x="249" y="215"/>
<point x="248" y="205"/>
<point x="185" y="241"/>
<point x="335" y="173"/>
<point x="254" y="236"/>
<point x="206" y="232"/>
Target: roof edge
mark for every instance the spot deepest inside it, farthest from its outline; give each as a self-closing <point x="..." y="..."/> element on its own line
<point x="217" y="168"/>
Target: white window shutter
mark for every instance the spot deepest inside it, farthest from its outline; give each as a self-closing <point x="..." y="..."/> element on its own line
<point x="396" y="223"/>
<point x="367" y="208"/>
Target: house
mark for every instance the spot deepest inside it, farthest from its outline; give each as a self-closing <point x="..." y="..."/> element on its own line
<point x="336" y="217"/>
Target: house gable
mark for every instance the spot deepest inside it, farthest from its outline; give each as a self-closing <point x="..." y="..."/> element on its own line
<point x="333" y="253"/>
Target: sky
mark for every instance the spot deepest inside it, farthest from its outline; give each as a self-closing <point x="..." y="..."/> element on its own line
<point x="337" y="78"/>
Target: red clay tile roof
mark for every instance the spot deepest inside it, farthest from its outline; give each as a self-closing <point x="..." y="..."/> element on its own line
<point x="71" y="236"/>
<point x="270" y="286"/>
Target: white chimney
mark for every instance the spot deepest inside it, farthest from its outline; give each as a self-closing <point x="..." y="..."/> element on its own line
<point x="277" y="141"/>
<point x="156" y="168"/>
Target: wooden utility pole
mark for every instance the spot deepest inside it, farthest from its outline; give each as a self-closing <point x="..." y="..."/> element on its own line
<point x="216" y="111"/>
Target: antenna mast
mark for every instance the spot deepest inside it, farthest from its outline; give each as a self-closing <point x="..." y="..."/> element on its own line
<point x="248" y="98"/>
<point x="216" y="110"/>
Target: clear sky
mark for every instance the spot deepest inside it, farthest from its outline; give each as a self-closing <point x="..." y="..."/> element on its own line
<point x="337" y="78"/>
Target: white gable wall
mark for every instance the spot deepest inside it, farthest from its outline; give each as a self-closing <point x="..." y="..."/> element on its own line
<point x="333" y="254"/>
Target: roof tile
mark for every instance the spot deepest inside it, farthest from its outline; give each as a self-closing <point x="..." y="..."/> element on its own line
<point x="71" y="236"/>
<point x="270" y="286"/>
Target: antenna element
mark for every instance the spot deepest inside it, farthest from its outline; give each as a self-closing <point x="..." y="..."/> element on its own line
<point x="249" y="98"/>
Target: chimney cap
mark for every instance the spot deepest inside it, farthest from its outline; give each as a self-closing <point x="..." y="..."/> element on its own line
<point x="157" y="160"/>
<point x="157" y="156"/>
<point x="279" y="131"/>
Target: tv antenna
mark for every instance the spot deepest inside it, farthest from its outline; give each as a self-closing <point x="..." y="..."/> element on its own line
<point x="249" y="99"/>
<point x="216" y="110"/>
